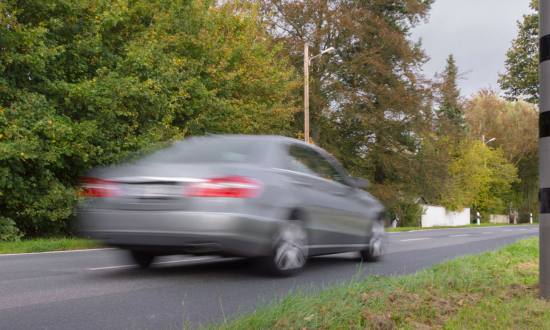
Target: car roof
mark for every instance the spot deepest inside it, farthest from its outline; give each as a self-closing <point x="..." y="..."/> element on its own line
<point x="266" y="138"/>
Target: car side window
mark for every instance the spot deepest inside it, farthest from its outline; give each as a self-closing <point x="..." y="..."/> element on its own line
<point x="306" y="160"/>
<point x="301" y="159"/>
<point x="325" y="169"/>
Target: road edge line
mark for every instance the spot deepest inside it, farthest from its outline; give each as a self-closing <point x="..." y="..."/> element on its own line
<point x="62" y="251"/>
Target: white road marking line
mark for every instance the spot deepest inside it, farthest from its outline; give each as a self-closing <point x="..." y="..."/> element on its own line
<point x="413" y="239"/>
<point x="156" y="263"/>
<point x="523" y="229"/>
<point x="506" y="230"/>
<point x="185" y="260"/>
<point x="460" y="235"/>
<point x="126" y="266"/>
<point x="82" y="250"/>
<point x="488" y="232"/>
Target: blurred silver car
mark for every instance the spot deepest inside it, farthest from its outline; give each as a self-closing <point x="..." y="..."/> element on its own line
<point x="268" y="197"/>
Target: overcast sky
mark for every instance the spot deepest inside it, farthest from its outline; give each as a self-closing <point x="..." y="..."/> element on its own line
<point x="477" y="32"/>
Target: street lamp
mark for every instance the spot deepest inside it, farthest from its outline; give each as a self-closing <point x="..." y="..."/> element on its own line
<point x="485" y="142"/>
<point x="307" y="62"/>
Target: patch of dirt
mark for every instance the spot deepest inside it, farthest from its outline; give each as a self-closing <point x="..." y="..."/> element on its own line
<point x="431" y="307"/>
<point x="529" y="265"/>
<point x="511" y="291"/>
<point x="408" y="308"/>
<point x="377" y="321"/>
<point x="368" y="298"/>
<point x="524" y="269"/>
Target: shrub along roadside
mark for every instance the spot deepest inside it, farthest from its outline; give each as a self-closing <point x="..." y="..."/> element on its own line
<point x="48" y="244"/>
<point x="89" y="83"/>
<point x="493" y="290"/>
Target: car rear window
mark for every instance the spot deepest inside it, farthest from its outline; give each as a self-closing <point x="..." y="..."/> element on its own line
<point x="208" y="150"/>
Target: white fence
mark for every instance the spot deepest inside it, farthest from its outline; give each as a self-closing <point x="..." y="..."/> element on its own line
<point x="439" y="216"/>
<point x="497" y="218"/>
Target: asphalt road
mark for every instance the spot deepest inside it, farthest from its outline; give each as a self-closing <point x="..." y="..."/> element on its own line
<point x="101" y="289"/>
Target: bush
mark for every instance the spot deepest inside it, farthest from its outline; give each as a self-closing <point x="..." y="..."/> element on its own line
<point x="91" y="83"/>
<point x="8" y="231"/>
<point x="411" y="214"/>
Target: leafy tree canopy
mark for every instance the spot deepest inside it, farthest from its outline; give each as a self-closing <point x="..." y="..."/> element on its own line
<point x="521" y="78"/>
<point x="88" y="83"/>
<point x="369" y="103"/>
<point x="480" y="176"/>
<point x="514" y="126"/>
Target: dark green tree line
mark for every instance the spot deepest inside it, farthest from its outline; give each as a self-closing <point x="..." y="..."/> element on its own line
<point x="88" y="83"/>
<point x="521" y="78"/>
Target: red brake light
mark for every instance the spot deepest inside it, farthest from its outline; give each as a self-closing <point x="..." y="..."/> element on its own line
<point x="100" y="188"/>
<point x="227" y="186"/>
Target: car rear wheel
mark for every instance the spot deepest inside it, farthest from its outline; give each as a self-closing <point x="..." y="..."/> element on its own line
<point x="377" y="244"/>
<point x="289" y="253"/>
<point x="143" y="259"/>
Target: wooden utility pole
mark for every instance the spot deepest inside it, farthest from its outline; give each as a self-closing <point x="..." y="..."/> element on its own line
<point x="306" y="92"/>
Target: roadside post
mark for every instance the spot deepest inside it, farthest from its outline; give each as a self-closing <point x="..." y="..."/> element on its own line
<point x="307" y="63"/>
<point x="544" y="149"/>
<point x="477" y="218"/>
<point x="306" y="92"/>
<point x="531" y="218"/>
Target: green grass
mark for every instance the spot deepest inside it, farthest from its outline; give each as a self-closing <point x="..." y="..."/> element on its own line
<point x="493" y="290"/>
<point x="48" y="244"/>
<point x="466" y="226"/>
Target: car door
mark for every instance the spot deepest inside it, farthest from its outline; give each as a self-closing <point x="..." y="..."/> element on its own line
<point x="345" y="214"/>
<point x="334" y="223"/>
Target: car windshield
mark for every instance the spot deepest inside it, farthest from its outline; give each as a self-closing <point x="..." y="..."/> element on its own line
<point x="208" y="150"/>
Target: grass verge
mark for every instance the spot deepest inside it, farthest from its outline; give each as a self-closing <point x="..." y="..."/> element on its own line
<point x="493" y="290"/>
<point x="49" y="244"/>
<point x="466" y="226"/>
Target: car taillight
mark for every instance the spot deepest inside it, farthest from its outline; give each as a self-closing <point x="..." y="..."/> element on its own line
<point x="100" y="188"/>
<point x="227" y="186"/>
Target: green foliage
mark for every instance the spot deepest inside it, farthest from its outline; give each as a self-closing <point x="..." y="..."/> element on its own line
<point x="411" y="214"/>
<point x="521" y="78"/>
<point x="480" y="177"/>
<point x="514" y="126"/>
<point x="48" y="244"/>
<point x="89" y="83"/>
<point x="8" y="231"/>
<point x="450" y="104"/>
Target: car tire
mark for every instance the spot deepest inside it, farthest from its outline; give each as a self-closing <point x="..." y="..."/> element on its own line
<point x="143" y="259"/>
<point x="289" y="251"/>
<point x="377" y="244"/>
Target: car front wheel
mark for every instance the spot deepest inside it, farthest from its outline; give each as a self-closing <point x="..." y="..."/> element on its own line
<point x="377" y="244"/>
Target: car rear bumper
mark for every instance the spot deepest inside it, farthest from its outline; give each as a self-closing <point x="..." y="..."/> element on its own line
<point x="181" y="232"/>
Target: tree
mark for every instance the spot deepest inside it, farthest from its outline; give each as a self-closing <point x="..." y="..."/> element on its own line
<point x="450" y="101"/>
<point x="480" y="176"/>
<point x="89" y="83"/>
<point x="514" y="125"/>
<point x="521" y="79"/>
<point x="369" y="103"/>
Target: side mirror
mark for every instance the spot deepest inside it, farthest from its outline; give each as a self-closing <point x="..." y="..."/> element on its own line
<point x="361" y="183"/>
